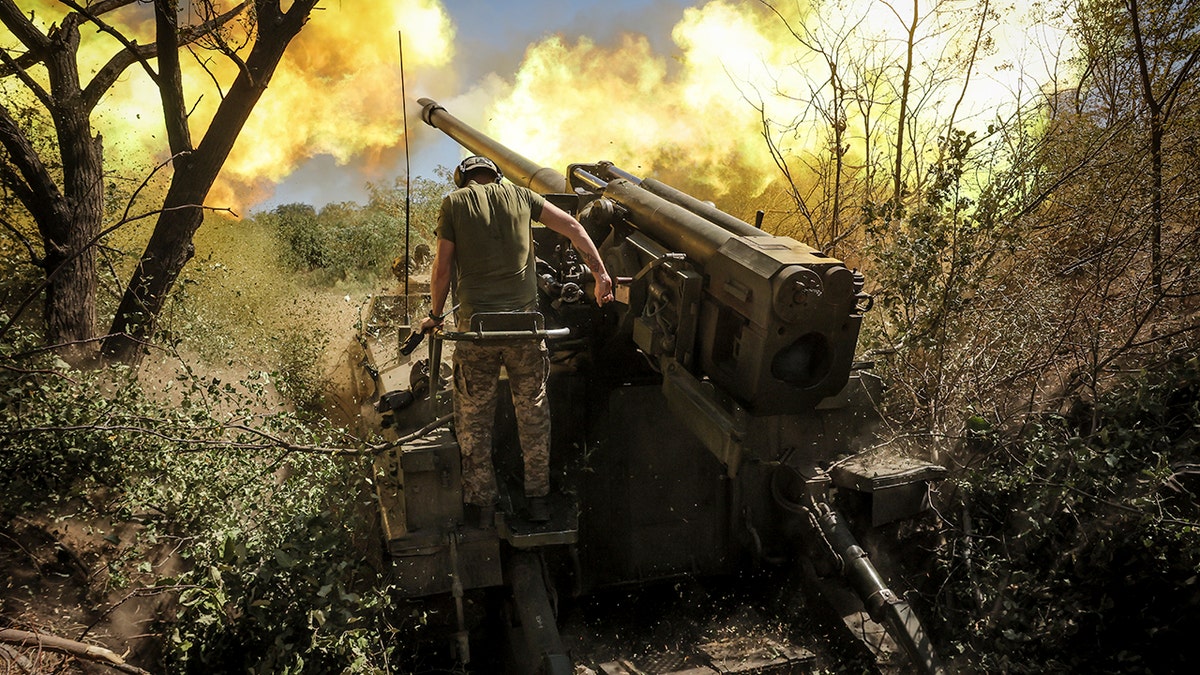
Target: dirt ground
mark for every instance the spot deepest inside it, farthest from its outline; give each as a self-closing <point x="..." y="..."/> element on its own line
<point x="59" y="570"/>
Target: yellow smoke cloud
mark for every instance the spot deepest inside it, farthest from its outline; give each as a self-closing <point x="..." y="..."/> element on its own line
<point x="695" y="119"/>
<point x="643" y="111"/>
<point x="336" y="91"/>
<point x="688" y="117"/>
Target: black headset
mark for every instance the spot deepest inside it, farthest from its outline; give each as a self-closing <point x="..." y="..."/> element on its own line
<point x="475" y="162"/>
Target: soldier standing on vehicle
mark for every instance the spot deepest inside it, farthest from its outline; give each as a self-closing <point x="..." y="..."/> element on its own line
<point x="485" y="239"/>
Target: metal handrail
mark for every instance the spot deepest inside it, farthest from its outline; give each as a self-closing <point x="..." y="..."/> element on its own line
<point x="486" y="336"/>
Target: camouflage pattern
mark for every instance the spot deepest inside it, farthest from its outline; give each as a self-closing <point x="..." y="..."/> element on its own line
<point x="476" y="389"/>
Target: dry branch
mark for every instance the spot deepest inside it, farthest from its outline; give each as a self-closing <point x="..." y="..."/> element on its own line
<point x="16" y="658"/>
<point x="69" y="647"/>
<point x="197" y="444"/>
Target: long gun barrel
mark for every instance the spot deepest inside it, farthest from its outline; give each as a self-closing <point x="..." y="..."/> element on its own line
<point x="516" y="168"/>
<point x="777" y="321"/>
<point x="670" y="224"/>
<point x="662" y="211"/>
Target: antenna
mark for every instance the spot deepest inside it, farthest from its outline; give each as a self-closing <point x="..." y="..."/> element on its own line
<point x="407" y="177"/>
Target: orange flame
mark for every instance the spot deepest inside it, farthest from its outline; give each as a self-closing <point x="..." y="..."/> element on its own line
<point x="698" y="120"/>
<point x="336" y="91"/>
<point x="695" y="118"/>
<point x="645" y="112"/>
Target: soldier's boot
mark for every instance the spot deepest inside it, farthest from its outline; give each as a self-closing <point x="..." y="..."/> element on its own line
<point x="539" y="510"/>
<point x="487" y="517"/>
<point x="480" y="516"/>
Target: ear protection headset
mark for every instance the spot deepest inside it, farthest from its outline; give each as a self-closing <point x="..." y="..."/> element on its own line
<point x="470" y="164"/>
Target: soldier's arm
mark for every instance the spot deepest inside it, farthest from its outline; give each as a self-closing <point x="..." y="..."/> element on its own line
<point x="563" y="223"/>
<point x="439" y="283"/>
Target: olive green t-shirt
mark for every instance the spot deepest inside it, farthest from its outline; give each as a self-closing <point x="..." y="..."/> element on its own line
<point x="490" y="227"/>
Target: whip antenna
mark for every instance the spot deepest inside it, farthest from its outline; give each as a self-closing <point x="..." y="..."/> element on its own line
<point x="407" y="177"/>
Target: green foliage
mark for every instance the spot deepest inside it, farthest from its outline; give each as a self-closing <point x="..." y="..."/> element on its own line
<point x="926" y="257"/>
<point x="234" y="304"/>
<point x="302" y="606"/>
<point x="1077" y="545"/>
<point x="51" y="452"/>
<point x="941" y="306"/>
<point x="346" y="241"/>
<point x="341" y="241"/>
<point x="303" y="244"/>
<point x="300" y="378"/>
<point x="221" y="467"/>
<point x="281" y="567"/>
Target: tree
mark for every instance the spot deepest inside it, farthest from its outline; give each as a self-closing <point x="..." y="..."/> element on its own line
<point x="1163" y="73"/>
<point x="831" y="110"/>
<point x="905" y="92"/>
<point x="64" y="194"/>
<point x="1114" y="223"/>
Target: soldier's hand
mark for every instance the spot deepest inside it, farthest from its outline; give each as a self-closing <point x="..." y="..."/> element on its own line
<point x="427" y="324"/>
<point x="604" y="289"/>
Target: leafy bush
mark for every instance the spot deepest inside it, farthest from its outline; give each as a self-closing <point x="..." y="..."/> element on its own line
<point x="301" y="606"/>
<point x="336" y="241"/>
<point x="348" y="241"/>
<point x="300" y="378"/>
<point x="1077" y="546"/>
<point x="303" y="242"/>
<point x="281" y="565"/>
<point x="51" y="451"/>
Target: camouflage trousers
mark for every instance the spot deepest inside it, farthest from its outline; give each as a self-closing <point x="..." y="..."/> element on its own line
<point x="476" y="390"/>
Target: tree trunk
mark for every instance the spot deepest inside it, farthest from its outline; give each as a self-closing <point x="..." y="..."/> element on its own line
<point x="71" y="247"/>
<point x="1156" y="201"/>
<point x="901" y="119"/>
<point x="1159" y="109"/>
<point x="68" y="220"/>
<point x="170" y="246"/>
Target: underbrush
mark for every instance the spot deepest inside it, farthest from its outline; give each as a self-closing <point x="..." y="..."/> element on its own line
<point x="236" y="308"/>
<point x="236" y="501"/>
<point x="270" y="528"/>
<point x="1075" y="547"/>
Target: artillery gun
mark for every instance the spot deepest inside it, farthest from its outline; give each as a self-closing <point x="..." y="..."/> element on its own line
<point x="705" y="420"/>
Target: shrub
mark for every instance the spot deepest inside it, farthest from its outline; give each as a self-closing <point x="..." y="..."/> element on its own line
<point x="341" y="242"/>
<point x="1077" y="546"/>
<point x="350" y="242"/>
<point x="300" y="378"/>
<point x="281" y="562"/>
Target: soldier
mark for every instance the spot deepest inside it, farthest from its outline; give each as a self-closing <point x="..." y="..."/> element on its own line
<point x="485" y="239"/>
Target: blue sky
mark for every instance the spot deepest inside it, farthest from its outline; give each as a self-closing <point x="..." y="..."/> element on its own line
<point x="497" y="32"/>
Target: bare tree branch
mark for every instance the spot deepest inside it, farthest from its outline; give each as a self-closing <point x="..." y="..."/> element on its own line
<point x="20" y="72"/>
<point x="130" y="46"/>
<point x="105" y="6"/>
<point x="133" y="53"/>
<point x="221" y="45"/>
<point x="15" y="19"/>
<point x="203" y="63"/>
<point x="135" y="593"/>
<point x="197" y="444"/>
<point x="18" y="659"/>
<point x="70" y="647"/>
<point x="38" y="191"/>
<point x="34" y="258"/>
<point x="127" y="219"/>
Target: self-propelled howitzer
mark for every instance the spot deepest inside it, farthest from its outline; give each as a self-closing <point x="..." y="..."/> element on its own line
<point x="708" y="419"/>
